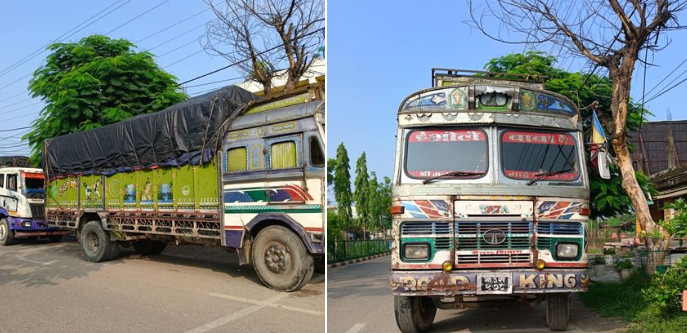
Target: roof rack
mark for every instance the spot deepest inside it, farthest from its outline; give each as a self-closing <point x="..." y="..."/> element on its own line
<point x="442" y="73"/>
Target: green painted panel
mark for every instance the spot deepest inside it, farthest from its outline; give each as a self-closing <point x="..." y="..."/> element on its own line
<point x="63" y="193"/>
<point x="556" y="240"/>
<point x="165" y="188"/>
<point x="207" y="186"/>
<point x="187" y="188"/>
<point x="432" y="247"/>
<point x="146" y="185"/>
<point x="91" y="192"/>
<point x="114" y="191"/>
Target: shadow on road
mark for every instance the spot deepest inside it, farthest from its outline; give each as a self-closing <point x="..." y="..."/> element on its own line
<point x="38" y="262"/>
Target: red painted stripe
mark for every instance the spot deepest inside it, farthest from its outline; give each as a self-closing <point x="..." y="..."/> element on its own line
<point x="567" y="265"/>
<point x="314" y="229"/>
<point x="538" y="138"/>
<point x="232" y="227"/>
<point x="495" y="265"/>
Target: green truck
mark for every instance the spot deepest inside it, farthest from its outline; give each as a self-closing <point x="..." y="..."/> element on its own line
<point x="221" y="169"/>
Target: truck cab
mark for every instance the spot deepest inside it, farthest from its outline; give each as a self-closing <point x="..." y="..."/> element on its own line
<point x="22" y="206"/>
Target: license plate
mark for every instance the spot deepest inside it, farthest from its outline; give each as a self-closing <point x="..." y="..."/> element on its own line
<point x="495" y="284"/>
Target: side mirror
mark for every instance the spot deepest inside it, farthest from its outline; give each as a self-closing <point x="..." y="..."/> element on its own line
<point x="602" y="164"/>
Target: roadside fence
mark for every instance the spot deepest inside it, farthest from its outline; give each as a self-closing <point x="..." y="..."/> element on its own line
<point x="340" y="250"/>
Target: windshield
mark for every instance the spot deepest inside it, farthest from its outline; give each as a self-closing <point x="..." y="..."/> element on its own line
<point x="432" y="153"/>
<point x="33" y="184"/>
<point x="539" y="155"/>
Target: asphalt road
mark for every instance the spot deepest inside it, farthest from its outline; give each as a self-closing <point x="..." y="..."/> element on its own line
<point x="359" y="300"/>
<point x="49" y="288"/>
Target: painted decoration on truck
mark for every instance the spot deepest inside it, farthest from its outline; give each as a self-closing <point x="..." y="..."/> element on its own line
<point x="451" y="98"/>
<point x="418" y="283"/>
<point x="447" y="136"/>
<point x="432" y="209"/>
<point x="527" y="99"/>
<point x="550" y="103"/>
<point x="467" y="208"/>
<point x="556" y="210"/>
<point x="282" y="193"/>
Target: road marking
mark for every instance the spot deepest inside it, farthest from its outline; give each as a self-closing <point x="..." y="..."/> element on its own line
<point x="242" y="313"/>
<point x="356" y="328"/>
<point x="269" y="303"/>
<point x="36" y="262"/>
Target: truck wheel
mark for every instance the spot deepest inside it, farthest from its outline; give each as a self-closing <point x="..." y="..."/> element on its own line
<point x="557" y="311"/>
<point x="149" y="246"/>
<point x="281" y="260"/>
<point x="414" y="314"/>
<point x="6" y="235"/>
<point x="96" y="245"/>
<point x="320" y="265"/>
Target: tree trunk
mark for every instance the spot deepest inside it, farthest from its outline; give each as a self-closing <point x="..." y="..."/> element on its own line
<point x="621" y="77"/>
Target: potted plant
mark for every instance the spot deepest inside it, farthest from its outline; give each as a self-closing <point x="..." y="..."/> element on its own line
<point x="599" y="266"/>
<point x="624" y="268"/>
<point x="608" y="255"/>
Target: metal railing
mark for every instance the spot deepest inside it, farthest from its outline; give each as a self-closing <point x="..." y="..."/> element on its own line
<point x="338" y="251"/>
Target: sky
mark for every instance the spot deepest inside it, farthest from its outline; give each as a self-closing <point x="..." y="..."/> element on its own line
<point x="379" y="52"/>
<point x="170" y="29"/>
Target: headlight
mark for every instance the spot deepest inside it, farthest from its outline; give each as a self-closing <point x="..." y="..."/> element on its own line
<point x="567" y="250"/>
<point x="416" y="251"/>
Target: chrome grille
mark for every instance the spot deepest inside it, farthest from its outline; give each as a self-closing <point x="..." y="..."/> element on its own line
<point x="425" y="228"/>
<point x="471" y="235"/>
<point x="482" y="258"/>
<point x="559" y="228"/>
<point x="37" y="210"/>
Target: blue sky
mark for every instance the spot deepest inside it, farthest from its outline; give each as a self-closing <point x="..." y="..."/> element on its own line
<point x="380" y="52"/>
<point x="27" y="26"/>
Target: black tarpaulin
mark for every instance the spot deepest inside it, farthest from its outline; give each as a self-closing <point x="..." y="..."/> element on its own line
<point x="177" y="135"/>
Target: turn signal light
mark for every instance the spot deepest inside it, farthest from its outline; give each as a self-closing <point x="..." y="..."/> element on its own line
<point x="585" y="211"/>
<point x="447" y="266"/>
<point x="541" y="264"/>
<point x="397" y="210"/>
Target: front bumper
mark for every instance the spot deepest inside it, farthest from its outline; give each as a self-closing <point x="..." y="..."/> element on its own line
<point x="26" y="227"/>
<point x="522" y="281"/>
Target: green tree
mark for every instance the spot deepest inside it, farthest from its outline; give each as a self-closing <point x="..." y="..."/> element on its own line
<point x="374" y="201"/>
<point x="608" y="196"/>
<point x="362" y="192"/>
<point x="95" y="82"/>
<point x="342" y="187"/>
<point x="331" y="165"/>
<point x="384" y="190"/>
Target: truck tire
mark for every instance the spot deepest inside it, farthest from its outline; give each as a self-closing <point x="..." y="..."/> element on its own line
<point x="320" y="265"/>
<point x="149" y="246"/>
<point x="557" y="311"/>
<point x="96" y="245"/>
<point x="414" y="314"/>
<point x="6" y="235"/>
<point x="281" y="260"/>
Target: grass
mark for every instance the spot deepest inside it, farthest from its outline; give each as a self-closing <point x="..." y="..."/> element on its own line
<point x="624" y="299"/>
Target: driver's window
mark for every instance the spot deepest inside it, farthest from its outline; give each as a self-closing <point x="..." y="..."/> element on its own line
<point x="12" y="182"/>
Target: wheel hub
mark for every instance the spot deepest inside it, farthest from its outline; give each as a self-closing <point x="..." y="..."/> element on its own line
<point x="92" y="242"/>
<point x="3" y="232"/>
<point x="277" y="257"/>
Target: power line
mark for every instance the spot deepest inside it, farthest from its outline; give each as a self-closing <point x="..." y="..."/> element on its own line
<point x="15" y="103"/>
<point x="246" y="59"/>
<point x="13" y="96"/>
<point x="666" y="90"/>
<point x="19" y="108"/>
<point x="138" y="16"/>
<point x="177" y="48"/>
<point x="173" y="25"/>
<point x="42" y="49"/>
<point x="175" y="37"/>
<point x="184" y="58"/>
<point x="669" y="74"/>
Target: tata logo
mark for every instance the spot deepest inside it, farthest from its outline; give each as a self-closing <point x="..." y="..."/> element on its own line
<point x="494" y="236"/>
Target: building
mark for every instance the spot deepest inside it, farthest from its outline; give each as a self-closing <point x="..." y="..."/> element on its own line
<point x="660" y="151"/>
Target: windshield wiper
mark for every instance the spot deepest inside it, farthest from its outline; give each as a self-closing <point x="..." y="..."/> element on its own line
<point x="454" y="174"/>
<point x="541" y="175"/>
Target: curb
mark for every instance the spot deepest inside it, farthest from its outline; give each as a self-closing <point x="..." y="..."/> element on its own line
<point x="353" y="261"/>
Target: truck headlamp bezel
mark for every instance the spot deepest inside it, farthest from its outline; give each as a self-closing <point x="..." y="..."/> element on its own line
<point x="565" y="255"/>
<point x="418" y="248"/>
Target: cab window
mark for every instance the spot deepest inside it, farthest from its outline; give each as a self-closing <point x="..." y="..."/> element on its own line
<point x="237" y="159"/>
<point x="316" y="153"/>
<point x="283" y="155"/>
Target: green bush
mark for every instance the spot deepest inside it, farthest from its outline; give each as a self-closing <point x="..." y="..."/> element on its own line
<point x="665" y="292"/>
<point x="609" y="251"/>
<point x="624" y="264"/>
<point x="599" y="261"/>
